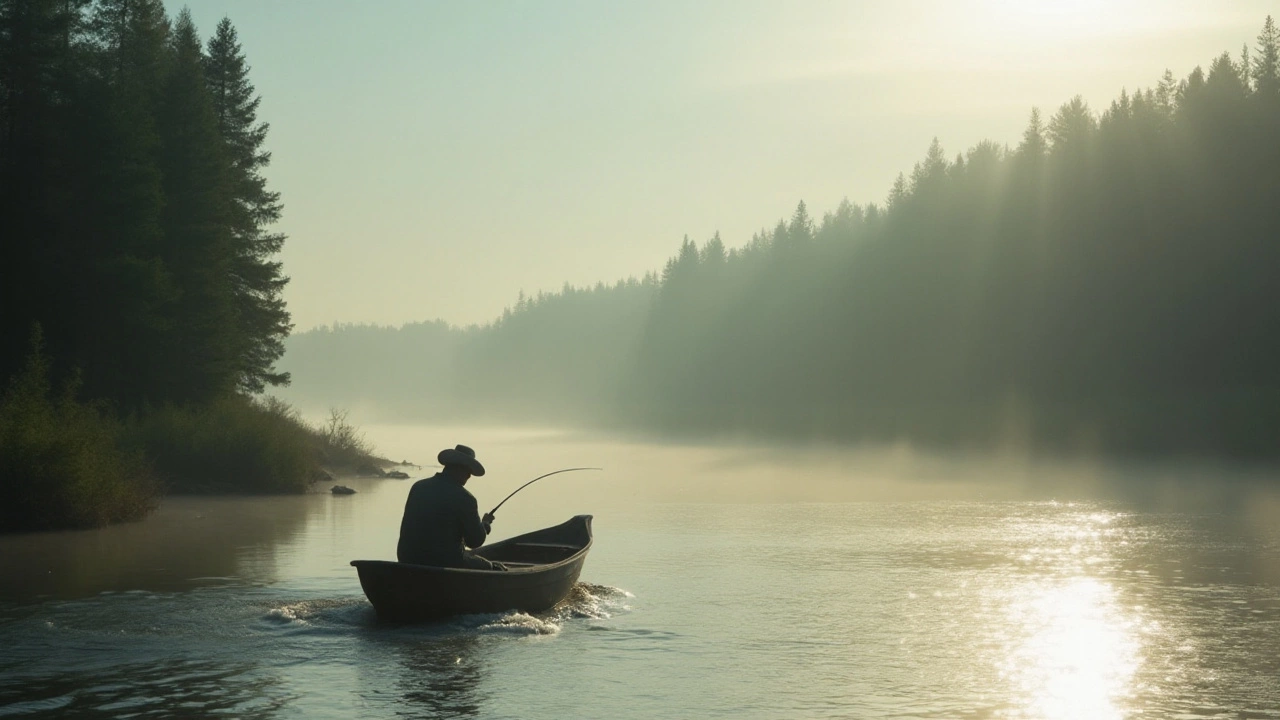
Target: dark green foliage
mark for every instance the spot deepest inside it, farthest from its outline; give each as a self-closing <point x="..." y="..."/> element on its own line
<point x="135" y="216"/>
<point x="199" y="361"/>
<point x="135" y="232"/>
<point x="60" y="461"/>
<point x="261" y="319"/>
<point x="230" y="445"/>
<point x="246" y="446"/>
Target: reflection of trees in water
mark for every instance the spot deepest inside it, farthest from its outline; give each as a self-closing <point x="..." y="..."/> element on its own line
<point x="163" y="689"/>
<point x="188" y="537"/>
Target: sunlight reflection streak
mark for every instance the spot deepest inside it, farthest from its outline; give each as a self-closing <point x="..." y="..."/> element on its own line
<point x="1072" y="649"/>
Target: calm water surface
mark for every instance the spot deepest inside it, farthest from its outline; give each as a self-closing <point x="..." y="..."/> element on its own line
<point x="784" y="583"/>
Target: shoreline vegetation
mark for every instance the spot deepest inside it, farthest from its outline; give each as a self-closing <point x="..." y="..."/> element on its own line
<point x="1105" y="288"/>
<point x="70" y="464"/>
<point x="141" y="294"/>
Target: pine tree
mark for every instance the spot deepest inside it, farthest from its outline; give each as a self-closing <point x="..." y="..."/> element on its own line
<point x="1033" y="144"/>
<point x="1244" y="68"/>
<point x="800" y="229"/>
<point x="1072" y="127"/>
<point x="1266" y="65"/>
<point x="126" y="290"/>
<point x="682" y="266"/>
<point x="1166" y="94"/>
<point x="259" y="281"/>
<point x="36" y="80"/>
<point x="898" y="192"/>
<point x="200" y="355"/>
<point x="131" y="34"/>
<point x="930" y="170"/>
<point x="713" y="253"/>
<point x="1225" y="82"/>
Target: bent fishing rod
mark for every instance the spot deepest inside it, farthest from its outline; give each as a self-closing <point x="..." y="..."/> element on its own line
<point x="556" y="472"/>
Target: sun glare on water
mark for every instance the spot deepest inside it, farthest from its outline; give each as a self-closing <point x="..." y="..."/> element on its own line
<point x="1072" y="646"/>
<point x="1079" y="652"/>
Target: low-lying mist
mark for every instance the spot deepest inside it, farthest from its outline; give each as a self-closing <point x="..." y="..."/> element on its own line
<point x="1104" y="288"/>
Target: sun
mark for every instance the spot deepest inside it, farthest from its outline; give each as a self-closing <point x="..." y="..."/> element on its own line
<point x="1067" y="19"/>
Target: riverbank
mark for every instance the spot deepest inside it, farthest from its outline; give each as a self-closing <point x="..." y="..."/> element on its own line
<point x="68" y="464"/>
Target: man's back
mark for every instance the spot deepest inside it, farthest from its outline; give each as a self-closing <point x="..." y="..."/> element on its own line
<point x="439" y="516"/>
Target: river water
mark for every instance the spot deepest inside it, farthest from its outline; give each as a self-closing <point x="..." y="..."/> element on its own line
<point x="726" y="581"/>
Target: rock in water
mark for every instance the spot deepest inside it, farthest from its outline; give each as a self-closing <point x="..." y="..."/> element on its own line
<point x="342" y="490"/>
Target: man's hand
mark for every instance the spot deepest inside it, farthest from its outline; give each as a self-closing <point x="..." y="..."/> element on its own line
<point x="487" y="521"/>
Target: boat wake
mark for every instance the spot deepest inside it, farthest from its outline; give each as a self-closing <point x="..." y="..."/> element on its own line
<point x="322" y="612"/>
<point x="585" y="601"/>
<point x="596" y="602"/>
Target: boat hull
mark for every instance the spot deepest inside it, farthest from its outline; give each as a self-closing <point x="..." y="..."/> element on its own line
<point x="544" y="566"/>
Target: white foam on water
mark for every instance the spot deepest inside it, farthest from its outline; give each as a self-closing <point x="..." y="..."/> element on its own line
<point x="517" y="623"/>
<point x="585" y="601"/>
<point x="288" y="614"/>
<point x="595" y="602"/>
<point x="306" y="613"/>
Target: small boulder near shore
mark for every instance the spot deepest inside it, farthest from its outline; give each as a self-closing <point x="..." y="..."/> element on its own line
<point x="398" y="475"/>
<point x="342" y="490"/>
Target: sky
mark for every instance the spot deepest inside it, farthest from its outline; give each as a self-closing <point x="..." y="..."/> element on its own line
<point x="435" y="159"/>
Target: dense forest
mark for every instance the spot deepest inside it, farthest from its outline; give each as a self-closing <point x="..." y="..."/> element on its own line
<point x="140" y="301"/>
<point x="1108" y="285"/>
<point x="136" y="214"/>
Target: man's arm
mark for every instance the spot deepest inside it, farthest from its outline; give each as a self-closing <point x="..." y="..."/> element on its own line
<point x="473" y="531"/>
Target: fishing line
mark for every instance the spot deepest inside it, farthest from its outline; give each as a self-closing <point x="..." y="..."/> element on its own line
<point x="556" y="472"/>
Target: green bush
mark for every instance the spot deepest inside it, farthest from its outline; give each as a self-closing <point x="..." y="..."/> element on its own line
<point x="231" y="445"/>
<point x="61" y="464"/>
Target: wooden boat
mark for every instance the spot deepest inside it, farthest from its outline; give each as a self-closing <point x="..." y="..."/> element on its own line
<point x="543" y="567"/>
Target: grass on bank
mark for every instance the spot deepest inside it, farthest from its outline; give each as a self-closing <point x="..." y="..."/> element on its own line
<point x="67" y="464"/>
<point x="244" y="445"/>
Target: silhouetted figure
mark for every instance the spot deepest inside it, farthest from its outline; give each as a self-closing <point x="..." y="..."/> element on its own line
<point x="441" y="519"/>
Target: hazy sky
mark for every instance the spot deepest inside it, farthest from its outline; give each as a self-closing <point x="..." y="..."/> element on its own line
<point x="435" y="158"/>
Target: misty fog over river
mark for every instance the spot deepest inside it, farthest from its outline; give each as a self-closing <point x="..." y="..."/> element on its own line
<point x="759" y="582"/>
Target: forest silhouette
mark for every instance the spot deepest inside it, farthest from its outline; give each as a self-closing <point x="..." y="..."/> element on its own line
<point x="141" y="301"/>
<point x="136" y="216"/>
<point x="1108" y="285"/>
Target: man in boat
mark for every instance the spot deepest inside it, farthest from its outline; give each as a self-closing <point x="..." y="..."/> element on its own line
<point x="442" y="519"/>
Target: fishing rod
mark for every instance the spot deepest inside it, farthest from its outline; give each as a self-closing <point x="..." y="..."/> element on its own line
<point x="556" y="472"/>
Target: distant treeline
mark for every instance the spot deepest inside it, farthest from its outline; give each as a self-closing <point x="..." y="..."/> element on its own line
<point x="1110" y="284"/>
<point x="140" y="301"/>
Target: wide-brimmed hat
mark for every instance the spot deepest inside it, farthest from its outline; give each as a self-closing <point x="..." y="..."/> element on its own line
<point x="461" y="455"/>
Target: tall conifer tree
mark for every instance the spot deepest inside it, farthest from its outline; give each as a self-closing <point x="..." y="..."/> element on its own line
<point x="200" y="352"/>
<point x="1266" y="65"/>
<point x="34" y="85"/>
<point x="125" y="287"/>
<point x="259" y="280"/>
